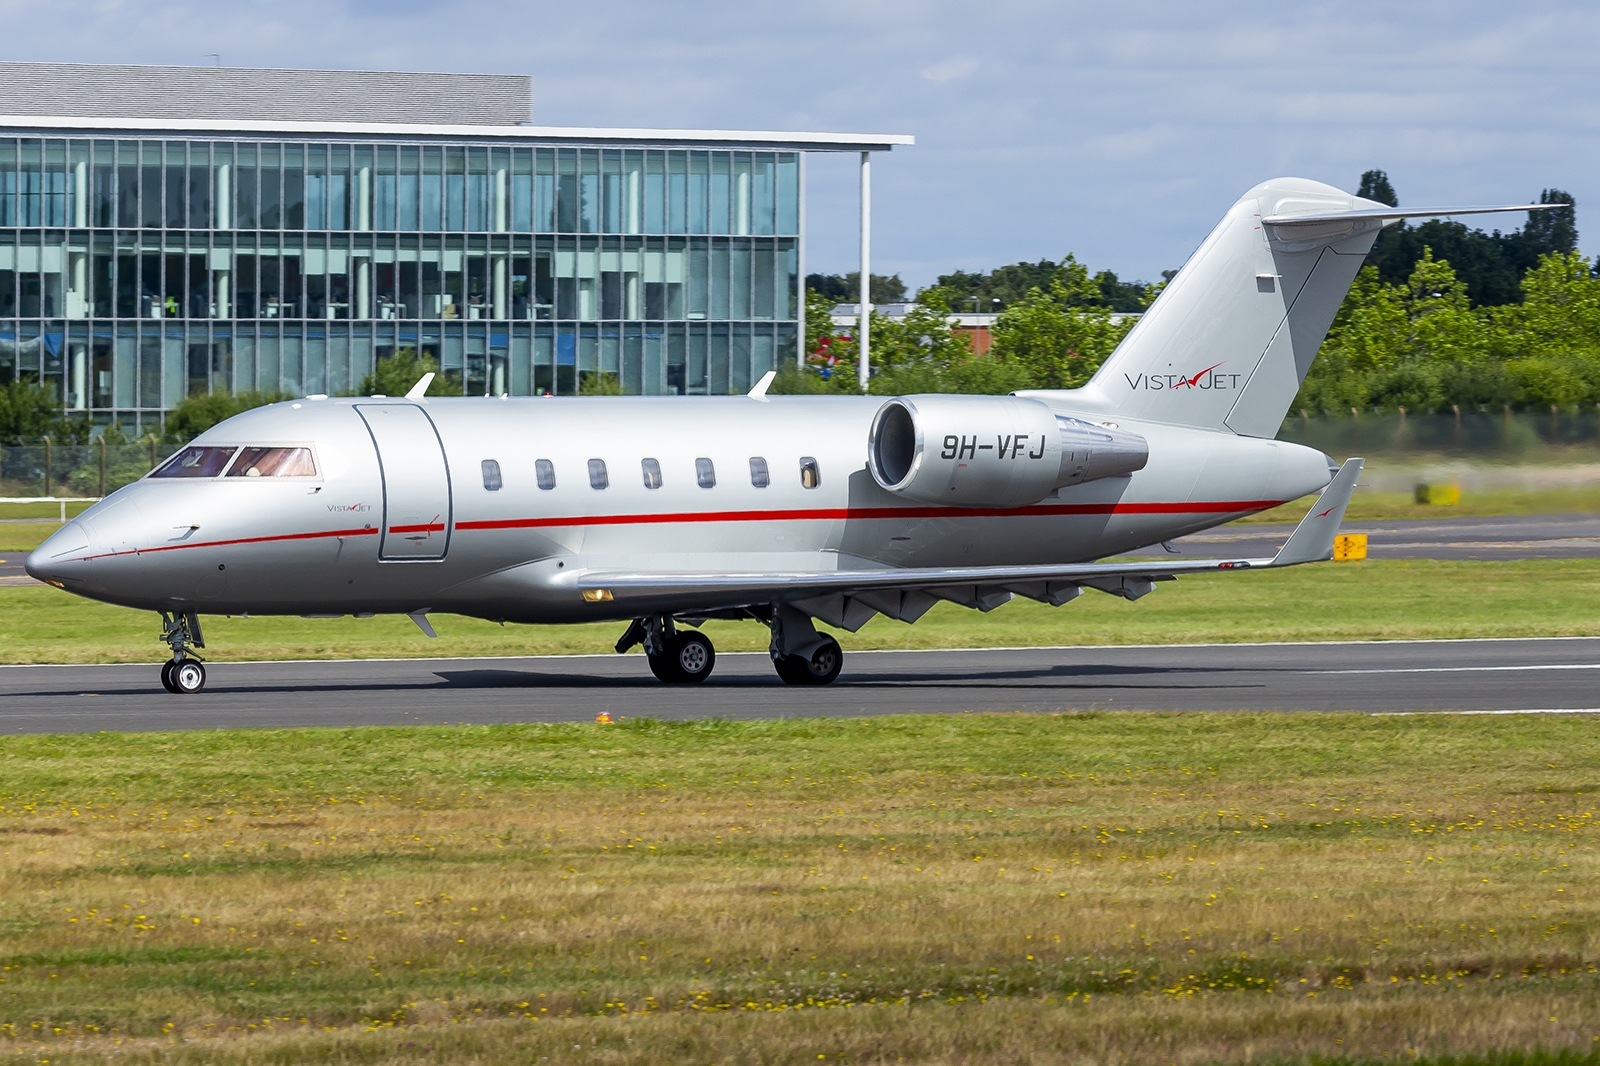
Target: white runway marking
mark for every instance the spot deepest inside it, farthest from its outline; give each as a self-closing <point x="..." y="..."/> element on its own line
<point x="1463" y="669"/>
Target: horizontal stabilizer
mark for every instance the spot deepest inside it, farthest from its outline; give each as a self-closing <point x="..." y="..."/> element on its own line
<point x="1392" y="214"/>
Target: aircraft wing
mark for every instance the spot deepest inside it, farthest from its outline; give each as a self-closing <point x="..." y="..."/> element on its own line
<point x="902" y="591"/>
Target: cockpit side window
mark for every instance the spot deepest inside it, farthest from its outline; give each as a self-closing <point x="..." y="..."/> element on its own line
<point x="273" y="462"/>
<point x="197" y="461"/>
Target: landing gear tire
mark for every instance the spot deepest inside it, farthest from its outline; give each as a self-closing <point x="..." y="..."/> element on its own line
<point x="661" y="666"/>
<point x="690" y="657"/>
<point x="822" y="668"/>
<point x="166" y="675"/>
<point x="186" y="677"/>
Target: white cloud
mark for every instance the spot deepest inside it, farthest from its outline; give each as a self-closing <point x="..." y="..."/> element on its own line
<point x="1119" y="132"/>
<point x="950" y="68"/>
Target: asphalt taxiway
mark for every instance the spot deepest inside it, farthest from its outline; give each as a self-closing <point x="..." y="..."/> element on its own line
<point x="1560" y="674"/>
<point x="1548" y="536"/>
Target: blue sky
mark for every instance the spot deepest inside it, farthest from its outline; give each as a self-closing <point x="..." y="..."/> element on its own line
<point x="1120" y="132"/>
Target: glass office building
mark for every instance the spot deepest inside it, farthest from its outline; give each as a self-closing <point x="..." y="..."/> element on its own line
<point x="142" y="265"/>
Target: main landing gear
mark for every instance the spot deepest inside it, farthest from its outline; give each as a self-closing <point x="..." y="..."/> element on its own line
<point x="677" y="658"/>
<point x="185" y="672"/>
<point x="800" y="654"/>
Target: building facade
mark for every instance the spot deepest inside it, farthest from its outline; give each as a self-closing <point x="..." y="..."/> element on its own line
<point x="146" y="259"/>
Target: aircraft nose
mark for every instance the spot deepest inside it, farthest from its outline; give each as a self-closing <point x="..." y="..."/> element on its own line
<point x="62" y="557"/>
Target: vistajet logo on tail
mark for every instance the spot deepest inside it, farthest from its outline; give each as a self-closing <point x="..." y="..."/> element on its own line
<point x="1205" y="379"/>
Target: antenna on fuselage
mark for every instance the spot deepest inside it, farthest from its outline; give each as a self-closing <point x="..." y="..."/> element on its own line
<point x="421" y="387"/>
<point x="760" y="391"/>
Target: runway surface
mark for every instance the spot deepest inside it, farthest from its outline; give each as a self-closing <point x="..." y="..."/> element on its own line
<point x="1406" y="676"/>
<point x="1553" y="536"/>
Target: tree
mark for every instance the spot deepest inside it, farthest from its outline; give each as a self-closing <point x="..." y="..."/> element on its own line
<point x="396" y="375"/>
<point x="1491" y="265"/>
<point x="27" y="412"/>
<point x="1053" y="337"/>
<point x="1004" y="286"/>
<point x="196" y="414"/>
<point x="1375" y="186"/>
<point x="846" y="288"/>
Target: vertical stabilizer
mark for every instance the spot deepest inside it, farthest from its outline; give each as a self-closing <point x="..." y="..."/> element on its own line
<point x="1230" y="339"/>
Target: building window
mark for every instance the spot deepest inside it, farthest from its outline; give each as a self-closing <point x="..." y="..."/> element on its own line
<point x="544" y="471"/>
<point x="491" y="475"/>
<point x="758" y="472"/>
<point x="652" y="473"/>
<point x="810" y="476"/>
<point x="597" y="474"/>
<point x="705" y="473"/>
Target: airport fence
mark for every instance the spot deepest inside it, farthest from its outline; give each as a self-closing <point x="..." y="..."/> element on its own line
<point x="48" y="469"/>
<point x="1556" y="437"/>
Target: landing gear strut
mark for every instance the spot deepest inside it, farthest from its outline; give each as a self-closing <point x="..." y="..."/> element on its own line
<point x="185" y="672"/>
<point x="674" y="657"/>
<point x="801" y="655"/>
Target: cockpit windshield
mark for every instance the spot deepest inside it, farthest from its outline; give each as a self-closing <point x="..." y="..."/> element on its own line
<point x="196" y="461"/>
<point x="274" y="462"/>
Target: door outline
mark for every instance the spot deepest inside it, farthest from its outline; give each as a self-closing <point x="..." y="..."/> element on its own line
<point x="383" y="480"/>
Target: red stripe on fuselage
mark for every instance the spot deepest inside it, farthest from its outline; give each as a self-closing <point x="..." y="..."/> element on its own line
<point x="836" y="513"/>
<point x="236" y="540"/>
<point x="816" y="514"/>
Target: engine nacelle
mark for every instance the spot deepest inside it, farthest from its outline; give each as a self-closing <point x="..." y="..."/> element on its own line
<point x="991" y="451"/>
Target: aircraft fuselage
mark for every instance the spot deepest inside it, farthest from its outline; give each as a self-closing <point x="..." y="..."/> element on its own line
<point x="400" y="514"/>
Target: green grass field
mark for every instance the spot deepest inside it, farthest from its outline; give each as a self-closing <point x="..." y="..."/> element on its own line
<point x="1125" y="888"/>
<point x="1373" y="600"/>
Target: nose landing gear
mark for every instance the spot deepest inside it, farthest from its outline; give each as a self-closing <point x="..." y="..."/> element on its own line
<point x="185" y="672"/>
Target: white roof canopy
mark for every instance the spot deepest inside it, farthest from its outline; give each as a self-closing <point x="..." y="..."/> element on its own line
<point x="45" y="125"/>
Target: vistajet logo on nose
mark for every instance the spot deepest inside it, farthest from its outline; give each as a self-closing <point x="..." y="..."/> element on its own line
<point x="1205" y="379"/>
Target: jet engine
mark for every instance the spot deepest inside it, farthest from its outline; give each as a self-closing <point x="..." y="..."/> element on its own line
<point x="991" y="451"/>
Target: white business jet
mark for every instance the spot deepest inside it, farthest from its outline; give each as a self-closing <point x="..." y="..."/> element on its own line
<point x="659" y="513"/>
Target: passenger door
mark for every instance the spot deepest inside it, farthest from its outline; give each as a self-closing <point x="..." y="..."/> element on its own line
<point x="416" y="482"/>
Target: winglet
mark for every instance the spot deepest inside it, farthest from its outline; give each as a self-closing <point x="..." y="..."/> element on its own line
<point x="1312" y="539"/>
<point x="421" y="387"/>
<point x="760" y="390"/>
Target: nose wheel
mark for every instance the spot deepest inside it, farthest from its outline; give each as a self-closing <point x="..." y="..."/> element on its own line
<point x="183" y="677"/>
<point x="184" y="674"/>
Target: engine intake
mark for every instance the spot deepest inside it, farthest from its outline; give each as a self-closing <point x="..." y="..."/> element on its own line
<point x="991" y="451"/>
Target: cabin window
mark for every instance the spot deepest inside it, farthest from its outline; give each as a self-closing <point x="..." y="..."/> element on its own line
<point x="758" y="472"/>
<point x="597" y="474"/>
<point x="273" y="462"/>
<point x="810" y="476"/>
<point x="196" y="462"/>
<point x="491" y="475"/>
<point x="544" y="471"/>
<point x="652" y="473"/>
<point x="705" y="473"/>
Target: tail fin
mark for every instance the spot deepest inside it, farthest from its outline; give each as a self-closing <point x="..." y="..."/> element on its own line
<point x="1229" y="341"/>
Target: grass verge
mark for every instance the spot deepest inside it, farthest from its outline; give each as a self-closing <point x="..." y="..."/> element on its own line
<point x="1082" y="888"/>
<point x="1373" y="600"/>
